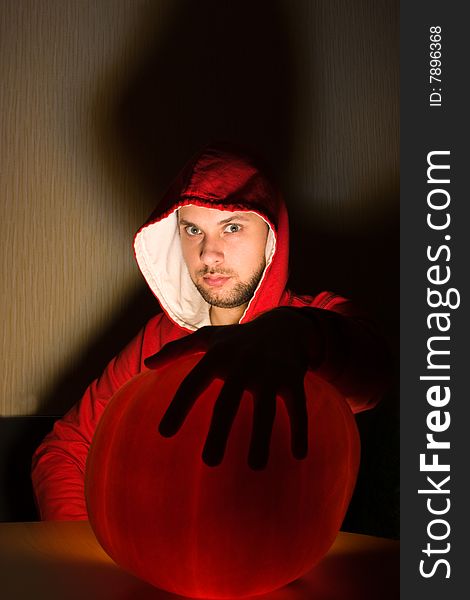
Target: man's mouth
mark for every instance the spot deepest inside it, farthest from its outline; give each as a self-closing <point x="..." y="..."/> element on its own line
<point x="215" y="280"/>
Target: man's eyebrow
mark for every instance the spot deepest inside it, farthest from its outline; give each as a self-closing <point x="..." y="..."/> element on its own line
<point x="234" y="217"/>
<point x="185" y="223"/>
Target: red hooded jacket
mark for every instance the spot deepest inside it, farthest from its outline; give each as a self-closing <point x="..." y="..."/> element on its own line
<point x="226" y="180"/>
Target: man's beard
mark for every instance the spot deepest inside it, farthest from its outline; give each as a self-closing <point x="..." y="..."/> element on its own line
<point x="241" y="293"/>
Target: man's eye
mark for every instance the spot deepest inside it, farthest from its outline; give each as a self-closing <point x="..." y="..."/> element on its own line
<point x="192" y="230"/>
<point x="233" y="228"/>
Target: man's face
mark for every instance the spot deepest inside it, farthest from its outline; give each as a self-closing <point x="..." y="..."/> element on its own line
<point x="224" y="252"/>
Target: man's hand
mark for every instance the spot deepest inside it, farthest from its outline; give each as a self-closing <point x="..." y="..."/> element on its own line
<point x="267" y="356"/>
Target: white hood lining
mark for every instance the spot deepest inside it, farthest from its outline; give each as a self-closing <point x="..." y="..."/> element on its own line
<point x="160" y="259"/>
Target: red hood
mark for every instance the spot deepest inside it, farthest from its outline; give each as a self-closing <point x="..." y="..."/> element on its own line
<point x="220" y="178"/>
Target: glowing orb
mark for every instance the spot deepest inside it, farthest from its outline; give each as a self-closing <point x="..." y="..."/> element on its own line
<point x="224" y="531"/>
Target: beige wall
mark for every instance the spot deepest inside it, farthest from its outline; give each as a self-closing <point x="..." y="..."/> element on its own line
<point x="100" y="105"/>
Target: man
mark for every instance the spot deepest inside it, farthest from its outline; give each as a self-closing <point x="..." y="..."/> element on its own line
<point x="215" y="254"/>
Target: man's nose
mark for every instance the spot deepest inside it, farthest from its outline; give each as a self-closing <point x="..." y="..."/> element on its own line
<point x="212" y="251"/>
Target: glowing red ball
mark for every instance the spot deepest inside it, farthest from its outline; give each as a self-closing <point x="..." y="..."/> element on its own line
<point x="224" y="531"/>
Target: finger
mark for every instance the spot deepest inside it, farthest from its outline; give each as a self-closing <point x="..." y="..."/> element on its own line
<point x="264" y="413"/>
<point x="223" y="415"/>
<point x="196" y="342"/>
<point x="295" y="401"/>
<point x="188" y="392"/>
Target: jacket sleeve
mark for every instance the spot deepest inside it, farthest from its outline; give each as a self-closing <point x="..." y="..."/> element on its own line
<point x="58" y="465"/>
<point x="355" y="356"/>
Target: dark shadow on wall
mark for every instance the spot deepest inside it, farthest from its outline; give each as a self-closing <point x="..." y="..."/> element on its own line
<point x="361" y="262"/>
<point x="224" y="70"/>
<point x="219" y="71"/>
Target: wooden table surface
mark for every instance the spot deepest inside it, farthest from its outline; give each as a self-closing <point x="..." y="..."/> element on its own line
<point x="63" y="561"/>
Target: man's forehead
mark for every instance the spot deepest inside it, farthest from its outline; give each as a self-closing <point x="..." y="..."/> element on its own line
<point x="192" y="212"/>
